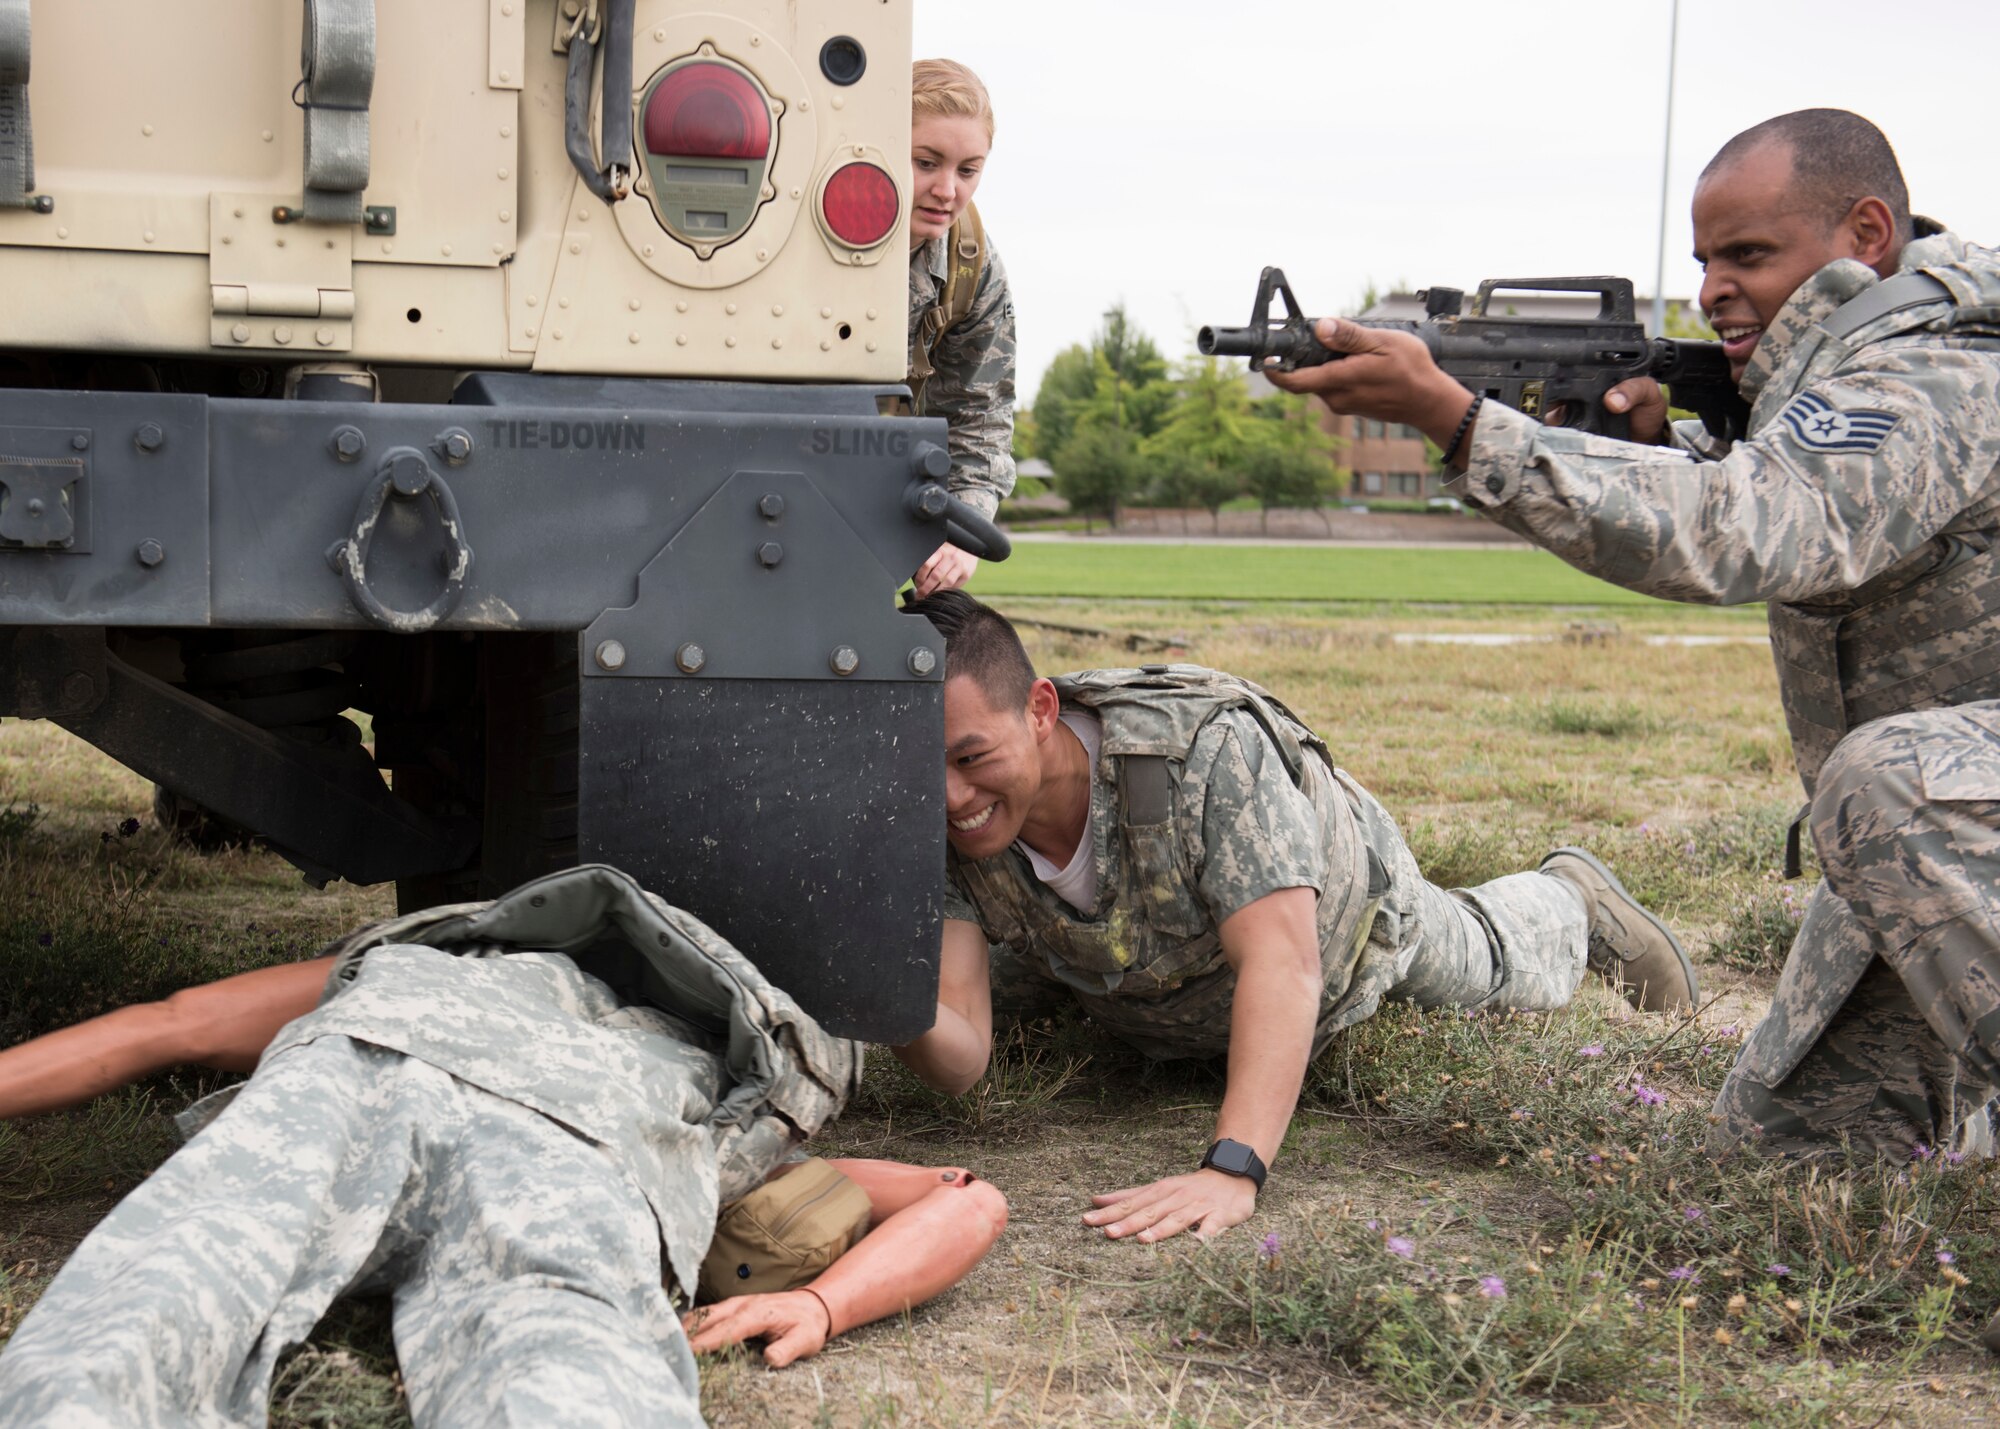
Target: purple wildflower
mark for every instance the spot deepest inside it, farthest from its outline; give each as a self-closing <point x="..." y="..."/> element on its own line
<point x="46" y="939"/>
<point x="1400" y="1245"/>
<point x="1683" y="1273"/>
<point x="1778" y="1268"/>
<point x="1374" y="1225"/>
<point x="1952" y="1158"/>
<point x="1693" y="1213"/>
<point x="1268" y="1247"/>
<point x="1945" y="1257"/>
<point x="1729" y="1031"/>
<point x="1593" y="1050"/>
<point x="1647" y="1096"/>
<point x="1492" y="1287"/>
<point x="1594" y="1159"/>
<point x="1920" y="1152"/>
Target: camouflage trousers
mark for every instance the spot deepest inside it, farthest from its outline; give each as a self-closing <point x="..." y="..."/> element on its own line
<point x="1885" y="1027"/>
<point x="1515" y="942"/>
<point x="522" y="1262"/>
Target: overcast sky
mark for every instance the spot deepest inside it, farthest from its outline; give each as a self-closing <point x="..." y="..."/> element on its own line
<point x="1163" y="151"/>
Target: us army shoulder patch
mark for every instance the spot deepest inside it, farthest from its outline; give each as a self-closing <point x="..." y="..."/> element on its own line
<point x="1819" y="426"/>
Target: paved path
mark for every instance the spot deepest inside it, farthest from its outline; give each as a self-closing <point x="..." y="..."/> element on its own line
<point x="1122" y="538"/>
<point x="1493" y="637"/>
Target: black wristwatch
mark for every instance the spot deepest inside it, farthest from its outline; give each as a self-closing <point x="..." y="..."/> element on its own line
<point x="1233" y="1158"/>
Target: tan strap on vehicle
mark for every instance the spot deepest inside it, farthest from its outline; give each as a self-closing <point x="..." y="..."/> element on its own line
<point x="965" y="266"/>
<point x="337" y="61"/>
<point x="17" y="139"/>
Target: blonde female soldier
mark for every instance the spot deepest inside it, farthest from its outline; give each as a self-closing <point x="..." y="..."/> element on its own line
<point x="961" y="315"/>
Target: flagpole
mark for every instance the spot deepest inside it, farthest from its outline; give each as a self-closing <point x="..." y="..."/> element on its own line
<point x="1666" y="156"/>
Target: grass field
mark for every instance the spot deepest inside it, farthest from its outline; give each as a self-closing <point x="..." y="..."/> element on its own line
<point x="1211" y="571"/>
<point x="1474" y="1220"/>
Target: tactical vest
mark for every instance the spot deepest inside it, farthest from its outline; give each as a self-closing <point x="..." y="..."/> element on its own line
<point x="1156" y="935"/>
<point x="1925" y="633"/>
<point x="965" y="265"/>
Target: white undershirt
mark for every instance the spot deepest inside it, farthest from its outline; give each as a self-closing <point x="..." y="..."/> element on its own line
<point x="1076" y="883"/>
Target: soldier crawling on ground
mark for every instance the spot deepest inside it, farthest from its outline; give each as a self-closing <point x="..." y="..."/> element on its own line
<point x="521" y="1157"/>
<point x="961" y="313"/>
<point x="1864" y="507"/>
<point x="1173" y="851"/>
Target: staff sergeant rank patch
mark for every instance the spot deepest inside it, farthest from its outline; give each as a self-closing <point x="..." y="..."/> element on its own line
<point x="1819" y="426"/>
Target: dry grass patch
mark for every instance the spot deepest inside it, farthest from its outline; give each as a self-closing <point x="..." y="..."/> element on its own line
<point x="1670" y="761"/>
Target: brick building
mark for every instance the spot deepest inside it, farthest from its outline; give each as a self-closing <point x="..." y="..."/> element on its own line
<point x="1389" y="460"/>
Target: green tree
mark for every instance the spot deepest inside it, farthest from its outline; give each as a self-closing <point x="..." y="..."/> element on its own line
<point x="1133" y="356"/>
<point x="1067" y="385"/>
<point x="1182" y="479"/>
<point x="1287" y="476"/>
<point x="1213" y="487"/>
<point x="1211" y="420"/>
<point x="1291" y="462"/>
<point x="1025" y="433"/>
<point x="1130" y="390"/>
<point x="1117" y="380"/>
<point x="1096" y="471"/>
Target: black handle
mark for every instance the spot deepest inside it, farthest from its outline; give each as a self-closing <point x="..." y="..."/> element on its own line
<point x="1614" y="295"/>
<point x="964" y="525"/>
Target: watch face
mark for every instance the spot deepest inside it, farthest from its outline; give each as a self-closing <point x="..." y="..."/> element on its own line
<point x="1231" y="1156"/>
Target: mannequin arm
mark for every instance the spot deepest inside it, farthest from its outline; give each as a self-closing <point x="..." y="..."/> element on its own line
<point x="932" y="1225"/>
<point x="921" y="1249"/>
<point x="225" y="1025"/>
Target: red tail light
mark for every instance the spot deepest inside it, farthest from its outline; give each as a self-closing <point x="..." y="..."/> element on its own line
<point x="707" y="111"/>
<point x="861" y="205"/>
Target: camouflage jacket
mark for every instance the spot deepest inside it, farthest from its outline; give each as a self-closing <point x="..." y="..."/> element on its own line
<point x="973" y="387"/>
<point x="673" y="1054"/>
<point x="1864" y="504"/>
<point x="1208" y="795"/>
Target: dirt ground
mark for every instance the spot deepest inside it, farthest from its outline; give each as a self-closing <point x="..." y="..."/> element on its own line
<point x="1638" y="746"/>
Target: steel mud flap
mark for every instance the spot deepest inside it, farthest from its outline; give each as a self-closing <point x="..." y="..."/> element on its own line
<point x="802" y="819"/>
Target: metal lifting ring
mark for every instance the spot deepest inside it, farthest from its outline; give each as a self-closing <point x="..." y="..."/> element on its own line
<point x="404" y="475"/>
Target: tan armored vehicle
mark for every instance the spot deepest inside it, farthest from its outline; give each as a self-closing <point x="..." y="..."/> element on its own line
<point x="523" y="374"/>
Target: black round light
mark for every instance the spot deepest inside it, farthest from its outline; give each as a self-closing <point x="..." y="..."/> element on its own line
<point x="842" y="60"/>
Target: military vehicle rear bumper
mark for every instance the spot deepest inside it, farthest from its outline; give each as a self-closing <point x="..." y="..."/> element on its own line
<point x="758" y="729"/>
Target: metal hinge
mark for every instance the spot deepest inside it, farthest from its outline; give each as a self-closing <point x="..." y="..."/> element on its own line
<point x="276" y="286"/>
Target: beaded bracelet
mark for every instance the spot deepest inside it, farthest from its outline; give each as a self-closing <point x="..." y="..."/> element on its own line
<point x="1464" y="426"/>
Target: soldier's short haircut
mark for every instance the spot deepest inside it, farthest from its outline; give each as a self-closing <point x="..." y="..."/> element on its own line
<point x="980" y="643"/>
<point x="1838" y="159"/>
<point x="947" y="89"/>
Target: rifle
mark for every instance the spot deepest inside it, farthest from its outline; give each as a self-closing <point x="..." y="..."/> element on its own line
<point x="1556" y="370"/>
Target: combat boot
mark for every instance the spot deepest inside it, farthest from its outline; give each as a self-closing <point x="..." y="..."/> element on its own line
<point x="1627" y="944"/>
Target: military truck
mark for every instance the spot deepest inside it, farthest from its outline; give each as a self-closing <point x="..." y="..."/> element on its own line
<point x="524" y="375"/>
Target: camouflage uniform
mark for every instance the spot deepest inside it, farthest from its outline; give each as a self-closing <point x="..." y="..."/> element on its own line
<point x="1864" y="507"/>
<point x="498" y="1140"/>
<point x="1208" y="794"/>
<point x="973" y="386"/>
